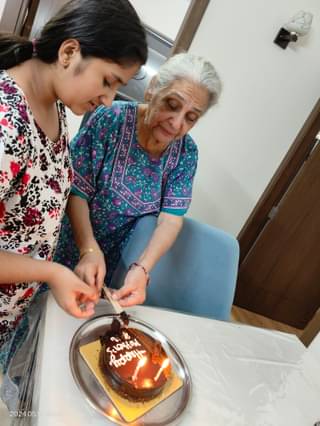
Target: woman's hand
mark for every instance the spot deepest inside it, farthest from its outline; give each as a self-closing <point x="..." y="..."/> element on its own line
<point x="71" y="293"/>
<point x="91" y="268"/>
<point x="133" y="291"/>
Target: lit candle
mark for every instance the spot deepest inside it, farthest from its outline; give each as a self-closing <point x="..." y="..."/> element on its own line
<point x="140" y="364"/>
<point x="147" y="383"/>
<point x="164" y="365"/>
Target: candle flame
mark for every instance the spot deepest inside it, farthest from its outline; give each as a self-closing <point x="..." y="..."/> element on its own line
<point x="140" y="364"/>
<point x="147" y="383"/>
<point x="142" y="361"/>
<point x="165" y="363"/>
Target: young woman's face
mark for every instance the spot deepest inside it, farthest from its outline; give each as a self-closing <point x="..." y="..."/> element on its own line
<point x="174" y="111"/>
<point x="87" y="83"/>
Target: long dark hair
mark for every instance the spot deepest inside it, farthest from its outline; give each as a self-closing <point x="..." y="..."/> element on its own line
<point x="106" y="29"/>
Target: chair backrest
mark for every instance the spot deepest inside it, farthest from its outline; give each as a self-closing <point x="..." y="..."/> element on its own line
<point x="197" y="275"/>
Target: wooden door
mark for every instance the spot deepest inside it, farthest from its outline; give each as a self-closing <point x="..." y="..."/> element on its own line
<point x="279" y="276"/>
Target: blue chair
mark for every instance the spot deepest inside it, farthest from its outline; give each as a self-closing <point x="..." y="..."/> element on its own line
<point x="197" y="275"/>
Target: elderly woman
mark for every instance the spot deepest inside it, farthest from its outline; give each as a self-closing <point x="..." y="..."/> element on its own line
<point x="131" y="160"/>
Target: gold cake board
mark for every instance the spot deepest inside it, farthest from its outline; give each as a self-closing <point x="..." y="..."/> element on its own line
<point x="128" y="410"/>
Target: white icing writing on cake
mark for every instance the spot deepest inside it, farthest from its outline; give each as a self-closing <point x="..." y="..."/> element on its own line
<point x="129" y="345"/>
<point x="125" y="357"/>
<point x="123" y="345"/>
<point x="124" y="334"/>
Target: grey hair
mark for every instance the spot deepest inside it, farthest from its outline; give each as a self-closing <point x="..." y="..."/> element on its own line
<point x="186" y="66"/>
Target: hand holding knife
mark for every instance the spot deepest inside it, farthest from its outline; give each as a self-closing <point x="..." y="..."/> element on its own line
<point x="116" y="306"/>
<point x="107" y="295"/>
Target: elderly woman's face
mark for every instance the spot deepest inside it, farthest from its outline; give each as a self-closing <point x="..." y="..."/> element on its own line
<point x="175" y="110"/>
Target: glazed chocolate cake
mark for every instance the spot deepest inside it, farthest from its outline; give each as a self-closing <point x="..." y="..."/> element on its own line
<point x="134" y="364"/>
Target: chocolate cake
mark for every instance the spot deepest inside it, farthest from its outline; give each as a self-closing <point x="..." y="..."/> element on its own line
<point x="134" y="364"/>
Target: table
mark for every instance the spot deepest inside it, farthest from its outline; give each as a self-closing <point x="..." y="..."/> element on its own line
<point x="242" y="375"/>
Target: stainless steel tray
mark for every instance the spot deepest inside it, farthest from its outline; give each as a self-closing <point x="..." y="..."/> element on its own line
<point x="165" y="413"/>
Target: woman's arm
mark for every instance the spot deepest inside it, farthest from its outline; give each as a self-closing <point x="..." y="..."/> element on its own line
<point x="68" y="290"/>
<point x="134" y="289"/>
<point x="165" y="234"/>
<point x="91" y="267"/>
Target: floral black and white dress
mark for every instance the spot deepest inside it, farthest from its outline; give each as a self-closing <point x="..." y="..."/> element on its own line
<point x="35" y="179"/>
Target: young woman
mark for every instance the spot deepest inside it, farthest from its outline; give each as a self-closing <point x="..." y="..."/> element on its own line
<point x="81" y="57"/>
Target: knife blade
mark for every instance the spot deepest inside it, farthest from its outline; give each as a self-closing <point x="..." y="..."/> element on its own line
<point x="116" y="305"/>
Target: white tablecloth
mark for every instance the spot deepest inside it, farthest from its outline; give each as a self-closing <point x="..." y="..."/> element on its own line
<point x="241" y="375"/>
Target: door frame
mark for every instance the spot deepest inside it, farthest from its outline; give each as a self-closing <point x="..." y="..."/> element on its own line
<point x="280" y="182"/>
<point x="189" y="25"/>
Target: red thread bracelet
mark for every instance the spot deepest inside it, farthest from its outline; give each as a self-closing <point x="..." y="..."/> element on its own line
<point x="133" y="264"/>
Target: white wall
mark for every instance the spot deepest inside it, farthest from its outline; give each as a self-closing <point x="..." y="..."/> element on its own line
<point x="2" y="5"/>
<point x="268" y="93"/>
<point x="164" y="16"/>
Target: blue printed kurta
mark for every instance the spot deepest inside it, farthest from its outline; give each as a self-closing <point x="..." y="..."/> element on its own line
<point x="121" y="182"/>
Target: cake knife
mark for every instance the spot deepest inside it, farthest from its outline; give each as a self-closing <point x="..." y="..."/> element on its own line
<point x="116" y="305"/>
